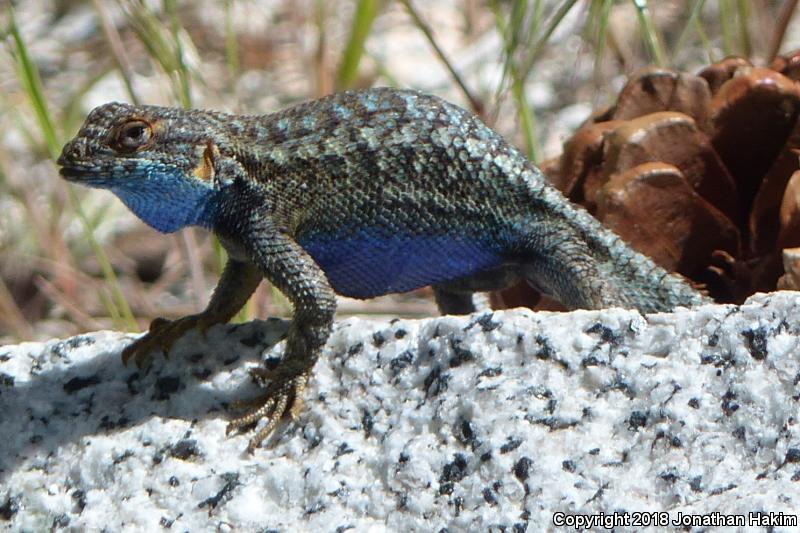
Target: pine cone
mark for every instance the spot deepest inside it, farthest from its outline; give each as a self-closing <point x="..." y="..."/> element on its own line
<point x="699" y="172"/>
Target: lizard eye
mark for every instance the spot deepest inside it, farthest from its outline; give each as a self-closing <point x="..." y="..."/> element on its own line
<point x="133" y="135"/>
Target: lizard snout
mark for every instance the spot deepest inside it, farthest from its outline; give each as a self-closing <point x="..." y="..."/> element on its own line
<point x="74" y="151"/>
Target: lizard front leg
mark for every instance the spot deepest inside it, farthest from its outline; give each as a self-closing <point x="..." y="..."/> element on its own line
<point x="287" y="266"/>
<point x="238" y="281"/>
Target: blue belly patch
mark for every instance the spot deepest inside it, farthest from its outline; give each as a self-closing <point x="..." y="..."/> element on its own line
<point x="365" y="265"/>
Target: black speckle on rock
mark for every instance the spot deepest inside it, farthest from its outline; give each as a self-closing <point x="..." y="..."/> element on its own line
<point x="720" y="490"/>
<point x="458" y="506"/>
<point x="9" y="508"/>
<point x="454" y="471"/>
<point x="607" y="334"/>
<point x="491" y="372"/>
<point x="522" y="468"/>
<point x="436" y="382"/>
<point x="403" y="458"/>
<point x="552" y="422"/>
<point x="728" y="405"/>
<point x="78" y="383"/>
<point x="367" y="422"/>
<point x="624" y="387"/>
<point x="545" y="350"/>
<point x="717" y="360"/>
<point x="446" y="489"/>
<point x="796" y="475"/>
<point x="694" y="403"/>
<point x="319" y="507"/>
<point x="591" y="361"/>
<point x="519" y="527"/>
<point x="378" y="339"/>
<point x="254" y="339"/>
<point x="272" y="362"/>
<point x="231" y="480"/>
<point x="713" y="340"/>
<point x="756" y="342"/>
<point x="400" y="333"/>
<point x="485" y="322"/>
<point x="668" y="476"/>
<point x="792" y="455"/>
<point x="166" y="386"/>
<point x="594" y="451"/>
<point x="60" y="521"/>
<point x="489" y="497"/>
<point x="401" y="361"/>
<point x="465" y="433"/>
<point x="486" y="456"/>
<point x="460" y="355"/>
<point x="6" y="380"/>
<point x="696" y="484"/>
<point x="510" y="445"/>
<point x="79" y="498"/>
<point x="62" y="348"/>
<point x="402" y="502"/>
<point x="568" y="466"/>
<point x="343" y="449"/>
<point x="739" y="433"/>
<point x="108" y="424"/>
<point x="174" y="481"/>
<point x="638" y="419"/>
<point x="185" y="450"/>
<point x="355" y="349"/>
<point x="166" y="523"/>
<point x="230" y="360"/>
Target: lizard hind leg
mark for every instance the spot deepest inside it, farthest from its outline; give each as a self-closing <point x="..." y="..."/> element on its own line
<point x="456" y="297"/>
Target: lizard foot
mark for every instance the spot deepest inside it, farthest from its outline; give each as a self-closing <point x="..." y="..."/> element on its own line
<point x="162" y="335"/>
<point x="283" y="393"/>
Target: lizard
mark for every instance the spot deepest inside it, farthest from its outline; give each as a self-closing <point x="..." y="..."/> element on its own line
<point x="360" y="193"/>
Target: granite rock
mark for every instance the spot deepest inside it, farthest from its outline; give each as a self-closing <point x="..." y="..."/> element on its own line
<point x="501" y="421"/>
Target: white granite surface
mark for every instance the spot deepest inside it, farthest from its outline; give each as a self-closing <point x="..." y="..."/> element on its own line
<point x="493" y="422"/>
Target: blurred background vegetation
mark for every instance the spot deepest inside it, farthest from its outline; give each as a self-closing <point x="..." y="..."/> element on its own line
<point x="73" y="259"/>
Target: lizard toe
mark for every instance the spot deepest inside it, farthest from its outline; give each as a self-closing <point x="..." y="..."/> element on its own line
<point x="281" y="396"/>
<point x="161" y="337"/>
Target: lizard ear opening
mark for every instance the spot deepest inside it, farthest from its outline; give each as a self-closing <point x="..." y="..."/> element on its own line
<point x="134" y="134"/>
<point x="206" y="169"/>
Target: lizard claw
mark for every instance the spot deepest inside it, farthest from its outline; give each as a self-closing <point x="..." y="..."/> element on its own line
<point x="162" y="335"/>
<point x="283" y="393"/>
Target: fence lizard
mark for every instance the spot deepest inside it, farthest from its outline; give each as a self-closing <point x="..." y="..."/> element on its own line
<point x="361" y="193"/>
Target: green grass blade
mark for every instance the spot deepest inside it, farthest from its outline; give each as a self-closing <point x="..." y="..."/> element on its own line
<point x="650" y="34"/>
<point x="726" y="14"/>
<point x="539" y="47"/>
<point x="691" y="23"/>
<point x="31" y="81"/>
<point x="231" y="42"/>
<point x="366" y="11"/>
<point x="474" y="102"/>
<point x="743" y="12"/>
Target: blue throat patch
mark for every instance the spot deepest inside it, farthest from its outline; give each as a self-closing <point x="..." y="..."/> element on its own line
<point x="167" y="200"/>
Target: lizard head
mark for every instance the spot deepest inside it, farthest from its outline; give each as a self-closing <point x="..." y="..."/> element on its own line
<point x="159" y="161"/>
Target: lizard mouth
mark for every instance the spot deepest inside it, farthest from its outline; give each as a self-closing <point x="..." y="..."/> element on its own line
<point x="72" y="174"/>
